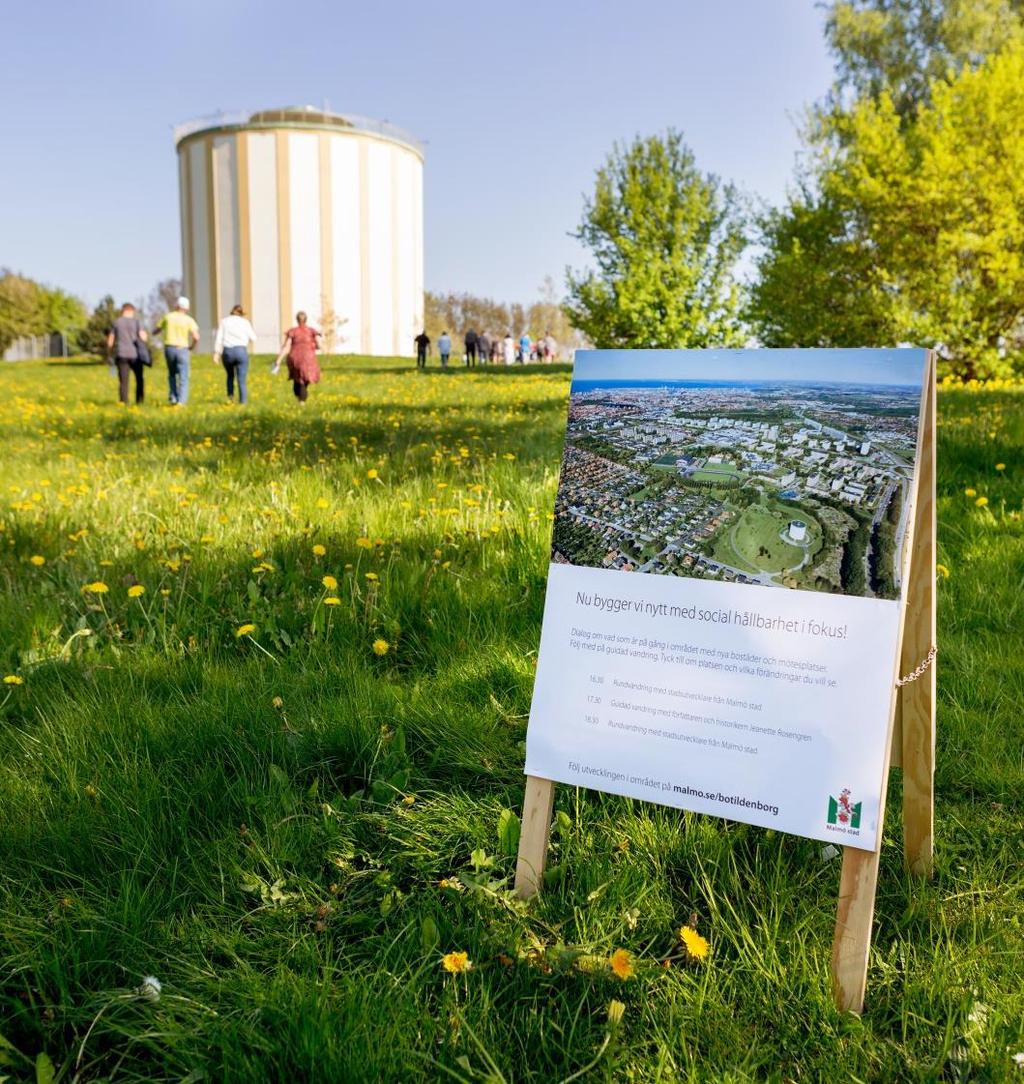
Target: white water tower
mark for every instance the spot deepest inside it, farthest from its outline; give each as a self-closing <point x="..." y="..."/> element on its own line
<point x="299" y="208"/>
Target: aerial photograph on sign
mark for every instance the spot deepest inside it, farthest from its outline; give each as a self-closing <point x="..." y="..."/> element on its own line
<point x="780" y="468"/>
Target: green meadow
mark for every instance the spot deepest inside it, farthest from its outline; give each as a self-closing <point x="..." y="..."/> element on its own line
<point x="267" y="673"/>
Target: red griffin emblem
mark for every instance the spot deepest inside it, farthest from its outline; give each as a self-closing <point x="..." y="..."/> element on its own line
<point x="845" y="811"/>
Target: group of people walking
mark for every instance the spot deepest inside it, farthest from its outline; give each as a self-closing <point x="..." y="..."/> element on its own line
<point x="128" y="350"/>
<point x="483" y="348"/>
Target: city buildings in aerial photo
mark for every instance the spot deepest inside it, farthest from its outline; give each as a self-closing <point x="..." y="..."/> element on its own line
<point x="788" y="468"/>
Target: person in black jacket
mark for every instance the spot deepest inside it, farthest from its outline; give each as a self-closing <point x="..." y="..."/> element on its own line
<point x="471" y="341"/>
<point x="422" y="342"/>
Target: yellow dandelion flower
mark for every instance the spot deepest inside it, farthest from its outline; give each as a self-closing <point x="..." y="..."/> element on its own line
<point x="329" y="582"/>
<point x="135" y="590"/>
<point x="323" y="502"/>
<point x="13" y="679"/>
<point x="381" y="647"/>
<point x="371" y="473"/>
<point x="509" y="456"/>
<point x="97" y="588"/>
<point x="372" y="577"/>
<point x="695" y="945"/>
<point x="969" y="492"/>
<point x="409" y="799"/>
<point x="621" y="964"/>
<point x="981" y="502"/>
<point x="1000" y="466"/>
<point x="364" y="543"/>
<point x="616" y="1011"/>
<point x="942" y="571"/>
<point x="37" y="560"/>
<point x="319" y="551"/>
<point x="332" y="600"/>
<point x="165" y="591"/>
<point x="244" y="630"/>
<point x="455" y="963"/>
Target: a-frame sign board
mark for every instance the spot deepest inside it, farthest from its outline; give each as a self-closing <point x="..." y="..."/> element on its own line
<point x="911" y="745"/>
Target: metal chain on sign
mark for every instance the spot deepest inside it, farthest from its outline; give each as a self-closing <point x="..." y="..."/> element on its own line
<point x="921" y="667"/>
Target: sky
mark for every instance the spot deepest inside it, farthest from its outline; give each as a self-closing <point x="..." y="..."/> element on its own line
<point x="854" y="366"/>
<point x="518" y="105"/>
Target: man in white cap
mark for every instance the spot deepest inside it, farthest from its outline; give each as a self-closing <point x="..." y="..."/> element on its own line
<point x="180" y="334"/>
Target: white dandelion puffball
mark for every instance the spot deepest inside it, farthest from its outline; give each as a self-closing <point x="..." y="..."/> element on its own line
<point x="150" y="988"/>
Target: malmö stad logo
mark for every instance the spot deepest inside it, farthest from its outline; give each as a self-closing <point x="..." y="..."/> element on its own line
<point x="842" y="813"/>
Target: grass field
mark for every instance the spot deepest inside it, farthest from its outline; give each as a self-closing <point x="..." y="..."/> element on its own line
<point x="276" y="778"/>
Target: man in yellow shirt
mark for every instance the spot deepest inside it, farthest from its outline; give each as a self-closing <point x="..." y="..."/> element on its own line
<point x="180" y="334"/>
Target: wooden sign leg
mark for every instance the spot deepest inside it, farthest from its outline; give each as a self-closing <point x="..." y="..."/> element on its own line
<point x="917" y="697"/>
<point x="533" y="839"/>
<point x="857" y="884"/>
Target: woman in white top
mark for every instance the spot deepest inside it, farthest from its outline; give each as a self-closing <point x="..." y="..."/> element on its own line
<point x="508" y="349"/>
<point x="231" y="347"/>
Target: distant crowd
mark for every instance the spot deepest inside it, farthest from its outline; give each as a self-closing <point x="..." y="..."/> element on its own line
<point x="129" y="355"/>
<point x="486" y="349"/>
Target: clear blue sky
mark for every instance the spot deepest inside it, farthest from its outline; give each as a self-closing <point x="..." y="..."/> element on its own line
<point x="518" y="105"/>
<point x="900" y="367"/>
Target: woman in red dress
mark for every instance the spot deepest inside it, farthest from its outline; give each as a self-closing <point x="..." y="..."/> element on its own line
<point x="300" y="345"/>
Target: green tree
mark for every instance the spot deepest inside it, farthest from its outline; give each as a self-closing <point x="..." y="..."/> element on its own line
<point x="20" y="308"/>
<point x="665" y="238"/>
<point x="903" y="46"/>
<point x="909" y="222"/>
<point x="816" y="283"/>
<point x="63" y="313"/>
<point x="93" y="339"/>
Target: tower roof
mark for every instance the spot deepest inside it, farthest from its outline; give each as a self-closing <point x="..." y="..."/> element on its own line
<point x="296" y="116"/>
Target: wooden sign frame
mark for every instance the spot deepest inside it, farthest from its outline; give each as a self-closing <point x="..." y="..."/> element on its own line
<point x="911" y="743"/>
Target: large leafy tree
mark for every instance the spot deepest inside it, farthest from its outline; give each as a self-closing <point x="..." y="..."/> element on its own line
<point x="28" y="307"/>
<point x="902" y="46"/>
<point x="665" y="239"/>
<point x="908" y="223"/>
<point x="20" y="307"/>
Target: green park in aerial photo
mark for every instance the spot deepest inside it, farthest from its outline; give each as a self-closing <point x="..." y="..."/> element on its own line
<point x="332" y="342"/>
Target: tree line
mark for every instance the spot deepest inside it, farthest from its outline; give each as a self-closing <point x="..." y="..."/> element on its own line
<point x="28" y="307"/>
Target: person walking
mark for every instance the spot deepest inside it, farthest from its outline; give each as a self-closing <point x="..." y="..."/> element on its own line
<point x="444" y="348"/>
<point x="422" y="342"/>
<point x="300" y="346"/>
<point x="231" y="349"/>
<point x="508" y="347"/>
<point x="471" y="344"/>
<point x="483" y="347"/>
<point x="123" y="340"/>
<point x="180" y="334"/>
<point x="550" y="348"/>
<point x="524" y="347"/>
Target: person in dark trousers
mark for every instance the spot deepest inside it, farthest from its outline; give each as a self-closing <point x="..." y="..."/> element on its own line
<point x="422" y="342"/>
<point x="483" y="347"/>
<point x="122" y="338"/>
<point x="444" y="348"/>
<point x="300" y="346"/>
<point x="471" y="341"/>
